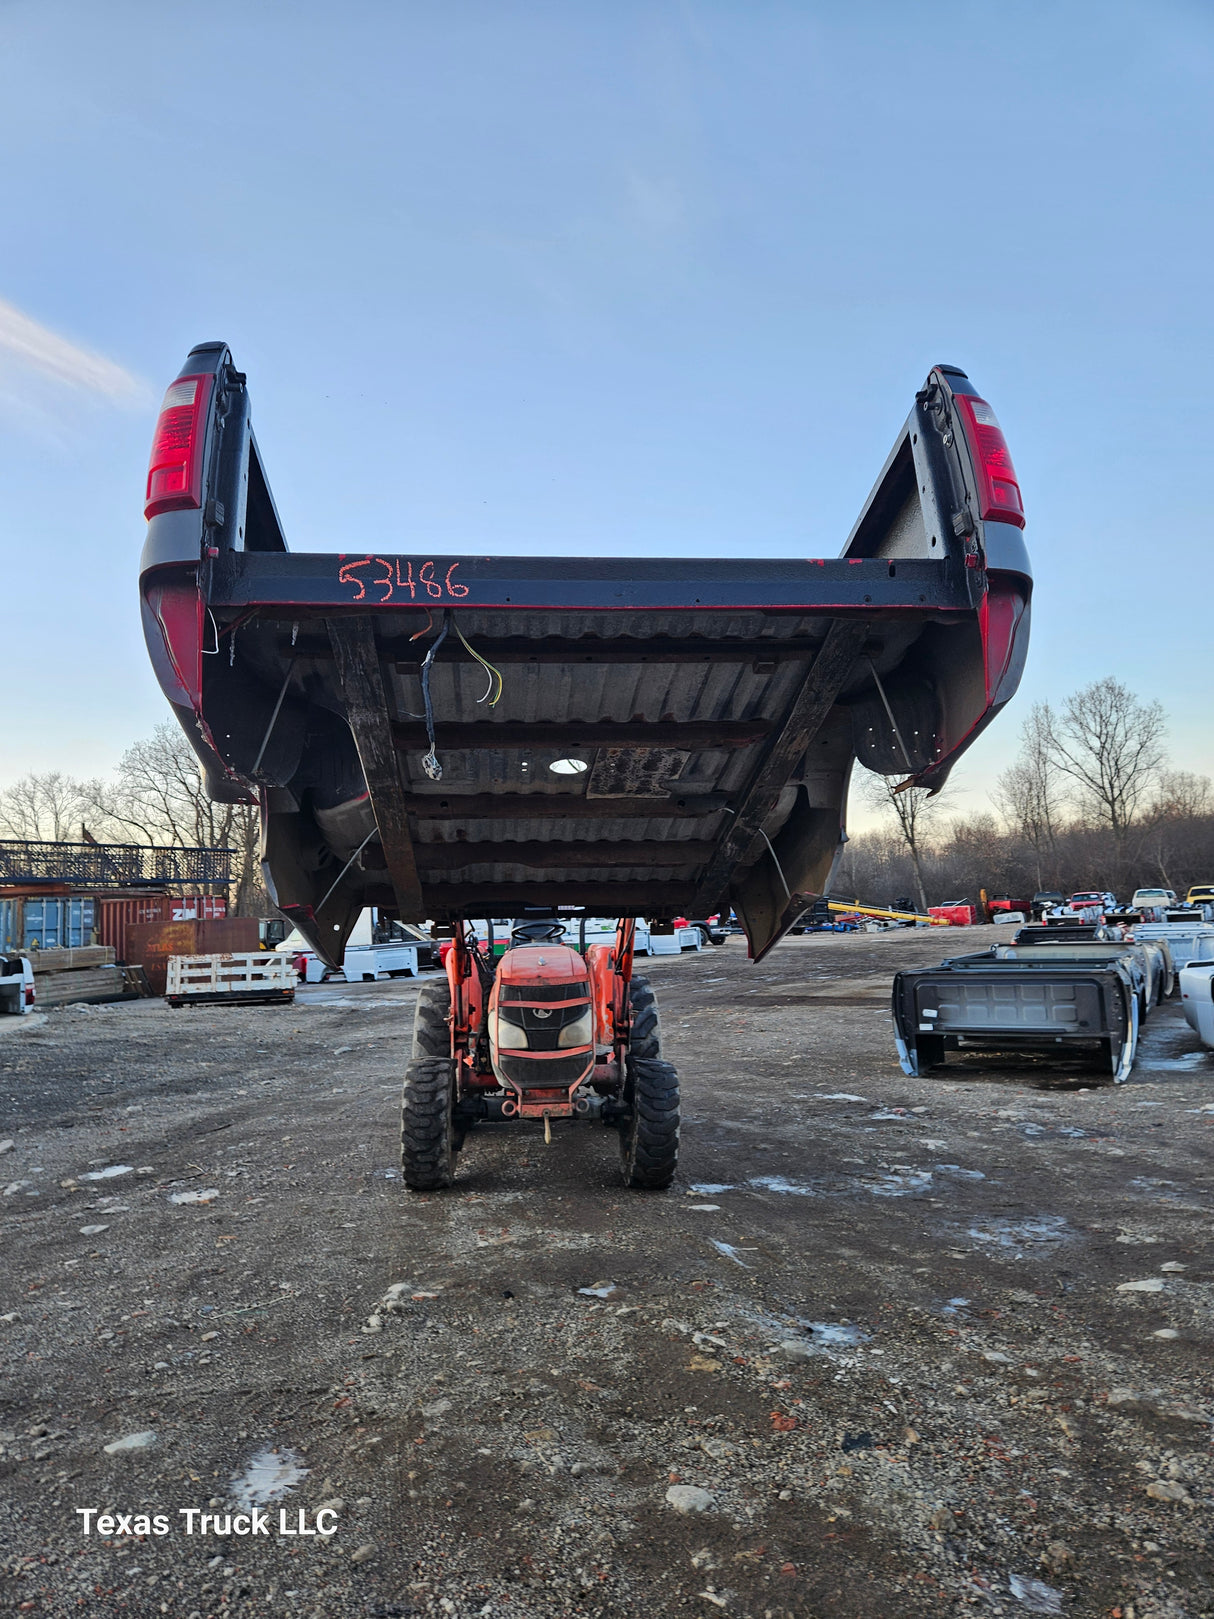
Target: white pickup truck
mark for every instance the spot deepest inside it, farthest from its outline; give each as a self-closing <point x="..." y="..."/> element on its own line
<point x="16" y="985"/>
<point x="374" y="949"/>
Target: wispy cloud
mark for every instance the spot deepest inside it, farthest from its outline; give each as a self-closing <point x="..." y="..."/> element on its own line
<point x="30" y="348"/>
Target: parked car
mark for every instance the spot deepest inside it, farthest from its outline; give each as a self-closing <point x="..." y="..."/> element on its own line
<point x="1200" y="894"/>
<point x="1151" y="904"/>
<point x="1006" y="903"/>
<point x="410" y="933"/>
<point x="1152" y="899"/>
<point x="1046" y="899"/>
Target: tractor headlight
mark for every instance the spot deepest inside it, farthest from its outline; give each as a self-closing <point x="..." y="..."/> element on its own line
<point x="508" y="1035"/>
<point x="578" y="1033"/>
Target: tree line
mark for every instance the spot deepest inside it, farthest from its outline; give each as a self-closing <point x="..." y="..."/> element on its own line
<point x="1090" y="801"/>
<point x="155" y="796"/>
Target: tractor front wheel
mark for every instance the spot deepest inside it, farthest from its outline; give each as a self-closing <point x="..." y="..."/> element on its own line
<point x="649" y="1138"/>
<point x="427" y="1129"/>
<point x="645" y="1035"/>
<point x="432" y="1020"/>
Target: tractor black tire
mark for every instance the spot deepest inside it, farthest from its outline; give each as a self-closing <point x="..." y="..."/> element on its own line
<point x="427" y="1131"/>
<point x="431" y="1028"/>
<point x="649" y="1139"/>
<point x="645" y="1040"/>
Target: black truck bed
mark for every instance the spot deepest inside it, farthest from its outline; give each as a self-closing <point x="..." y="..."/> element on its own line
<point x="651" y="737"/>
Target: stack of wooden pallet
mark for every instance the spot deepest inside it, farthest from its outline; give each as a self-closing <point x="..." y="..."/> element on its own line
<point x="86" y="974"/>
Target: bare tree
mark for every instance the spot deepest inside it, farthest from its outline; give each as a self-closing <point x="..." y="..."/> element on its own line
<point x="1029" y="793"/>
<point x="1181" y="808"/>
<point x="913" y="810"/>
<point x="46" y="806"/>
<point x="1182" y="796"/>
<point x="1110" y="745"/>
<point x="158" y="797"/>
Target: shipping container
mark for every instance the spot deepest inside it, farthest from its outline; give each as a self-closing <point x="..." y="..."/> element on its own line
<point x="150" y="944"/>
<point x="115" y="916"/>
<point x="58" y="924"/>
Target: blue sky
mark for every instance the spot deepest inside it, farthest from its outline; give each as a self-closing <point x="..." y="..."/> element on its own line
<point x="607" y="278"/>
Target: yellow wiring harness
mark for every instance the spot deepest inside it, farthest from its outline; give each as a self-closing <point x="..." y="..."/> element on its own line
<point x="493" y="690"/>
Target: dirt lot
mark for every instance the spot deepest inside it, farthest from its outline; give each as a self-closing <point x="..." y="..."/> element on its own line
<point x="876" y="1326"/>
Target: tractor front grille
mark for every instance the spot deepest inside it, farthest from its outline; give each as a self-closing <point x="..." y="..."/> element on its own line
<point x="524" y="1072"/>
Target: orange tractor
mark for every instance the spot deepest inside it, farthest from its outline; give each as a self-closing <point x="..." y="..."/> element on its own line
<point x="548" y="1031"/>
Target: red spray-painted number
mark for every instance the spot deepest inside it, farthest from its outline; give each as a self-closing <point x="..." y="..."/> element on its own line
<point x="392" y="576"/>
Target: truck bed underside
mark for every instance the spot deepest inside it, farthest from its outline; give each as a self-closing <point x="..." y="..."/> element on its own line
<point x="458" y="736"/>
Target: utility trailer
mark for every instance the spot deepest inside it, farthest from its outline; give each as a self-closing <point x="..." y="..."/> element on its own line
<point x="449" y="737"/>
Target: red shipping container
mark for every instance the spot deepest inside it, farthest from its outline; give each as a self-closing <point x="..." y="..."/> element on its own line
<point x="150" y="944"/>
<point x="198" y="907"/>
<point x="115" y="916"/>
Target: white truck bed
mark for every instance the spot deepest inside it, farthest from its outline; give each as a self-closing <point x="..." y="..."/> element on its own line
<point x="1197" y="999"/>
<point x="16" y="985"/>
<point x="246" y="975"/>
<point x="365" y="961"/>
<point x="1187" y="941"/>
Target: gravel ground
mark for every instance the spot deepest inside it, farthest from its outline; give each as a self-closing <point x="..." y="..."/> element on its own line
<point x="874" y="1354"/>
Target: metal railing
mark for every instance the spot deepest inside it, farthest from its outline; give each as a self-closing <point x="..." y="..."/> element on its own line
<point x="110" y="865"/>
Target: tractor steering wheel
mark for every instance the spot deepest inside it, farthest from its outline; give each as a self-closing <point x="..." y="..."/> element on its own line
<point x="537" y="932"/>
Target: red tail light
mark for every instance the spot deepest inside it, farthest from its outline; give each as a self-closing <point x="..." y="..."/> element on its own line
<point x="175" y="468"/>
<point x="998" y="488"/>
